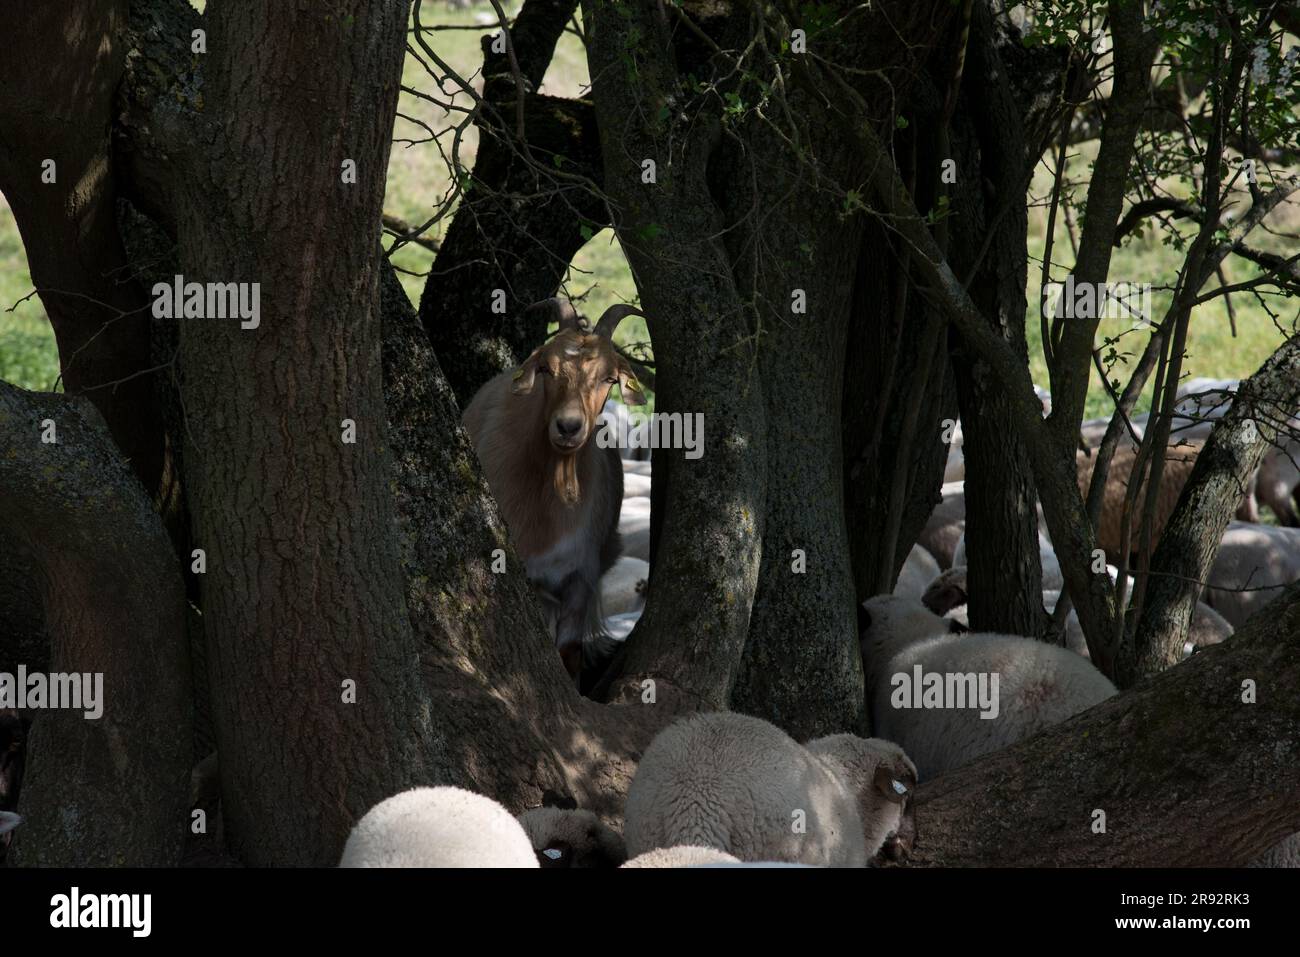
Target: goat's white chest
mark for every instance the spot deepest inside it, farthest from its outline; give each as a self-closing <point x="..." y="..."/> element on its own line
<point x="567" y="555"/>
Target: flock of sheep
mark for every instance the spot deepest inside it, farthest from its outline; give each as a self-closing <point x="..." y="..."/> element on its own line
<point x="726" y="789"/>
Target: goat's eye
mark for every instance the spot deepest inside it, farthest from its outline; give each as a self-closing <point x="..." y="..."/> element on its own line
<point x="611" y="380"/>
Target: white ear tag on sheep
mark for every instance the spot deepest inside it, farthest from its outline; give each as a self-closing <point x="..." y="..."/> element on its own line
<point x="553" y="854"/>
<point x="9" y="821"/>
<point x="899" y="787"/>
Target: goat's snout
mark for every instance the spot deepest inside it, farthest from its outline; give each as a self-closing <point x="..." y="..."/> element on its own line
<point x="568" y="431"/>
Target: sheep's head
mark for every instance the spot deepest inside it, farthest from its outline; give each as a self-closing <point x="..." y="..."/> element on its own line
<point x="889" y="622"/>
<point x="572" y="838"/>
<point x="883" y="778"/>
<point x="577" y="370"/>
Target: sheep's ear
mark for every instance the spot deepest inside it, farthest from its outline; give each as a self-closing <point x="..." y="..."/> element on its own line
<point x="525" y="376"/>
<point x="892" y="789"/>
<point x="632" y="393"/>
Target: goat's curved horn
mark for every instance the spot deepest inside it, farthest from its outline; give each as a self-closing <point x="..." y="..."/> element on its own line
<point x="561" y="310"/>
<point x="613" y="316"/>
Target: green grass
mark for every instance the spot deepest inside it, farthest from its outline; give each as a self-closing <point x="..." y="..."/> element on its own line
<point x="1212" y="349"/>
<point x="28" y="356"/>
<point x="419" y="180"/>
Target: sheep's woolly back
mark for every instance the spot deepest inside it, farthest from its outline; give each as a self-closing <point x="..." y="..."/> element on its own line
<point x="1039" y="685"/>
<point x="682" y="856"/>
<point x="571" y="838"/>
<point x="741" y="785"/>
<point x="438" y="827"/>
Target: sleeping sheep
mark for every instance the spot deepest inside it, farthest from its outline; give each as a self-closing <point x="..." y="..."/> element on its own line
<point x="741" y="785"/>
<point x="438" y="827"/>
<point x="563" y="837"/>
<point x="1024" y="685"/>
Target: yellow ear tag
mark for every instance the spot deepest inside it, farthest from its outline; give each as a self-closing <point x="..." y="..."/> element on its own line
<point x="519" y="374"/>
<point x="633" y="384"/>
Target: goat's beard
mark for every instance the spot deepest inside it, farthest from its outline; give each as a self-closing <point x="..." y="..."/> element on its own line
<point x="566" y="479"/>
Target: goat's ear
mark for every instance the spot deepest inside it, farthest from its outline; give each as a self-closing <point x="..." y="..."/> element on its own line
<point x="525" y="376"/>
<point x="627" y="383"/>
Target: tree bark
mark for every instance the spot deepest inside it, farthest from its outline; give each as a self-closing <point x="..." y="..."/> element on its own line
<point x="112" y="790"/>
<point x="303" y="590"/>
<point x="1213" y="491"/>
<point x="61" y="112"/>
<point x="706" y="563"/>
<point x="1005" y="571"/>
<point x="1187" y="773"/>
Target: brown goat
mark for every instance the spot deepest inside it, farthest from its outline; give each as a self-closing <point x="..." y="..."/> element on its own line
<point x="560" y="494"/>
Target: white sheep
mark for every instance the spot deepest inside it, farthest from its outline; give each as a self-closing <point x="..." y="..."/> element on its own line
<point x="919" y="569"/>
<point x="563" y="837"/>
<point x="438" y="827"/>
<point x="622" y="588"/>
<point x="684" y="855"/>
<point x="904" y="645"/>
<point x="618" y="627"/>
<point x="742" y="785"/>
<point x="1251" y="556"/>
<point x="634" y="528"/>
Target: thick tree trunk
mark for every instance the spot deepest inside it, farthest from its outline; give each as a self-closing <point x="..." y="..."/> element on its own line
<point x="109" y="790"/>
<point x="706" y="564"/>
<point x="1185" y="769"/>
<point x="302" y="597"/>
<point x="801" y="668"/>
<point x="59" y="113"/>
<point x="1005" y="573"/>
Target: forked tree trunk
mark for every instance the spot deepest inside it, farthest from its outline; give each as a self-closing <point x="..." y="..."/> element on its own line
<point x="110" y="790"/>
